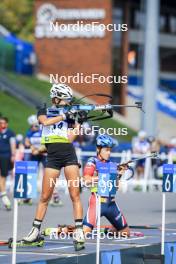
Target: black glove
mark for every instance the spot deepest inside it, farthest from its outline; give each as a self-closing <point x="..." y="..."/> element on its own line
<point x="71" y="116"/>
<point x="82" y="116"/>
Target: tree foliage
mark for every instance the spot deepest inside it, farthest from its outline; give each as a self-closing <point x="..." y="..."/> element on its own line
<point x="18" y="17"/>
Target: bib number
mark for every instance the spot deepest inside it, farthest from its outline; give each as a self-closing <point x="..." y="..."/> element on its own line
<point x="55" y="127"/>
<point x="107" y="174"/>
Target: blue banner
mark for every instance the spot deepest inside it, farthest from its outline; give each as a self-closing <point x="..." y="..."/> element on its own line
<point x="168" y="168"/>
<point x="21" y="167"/>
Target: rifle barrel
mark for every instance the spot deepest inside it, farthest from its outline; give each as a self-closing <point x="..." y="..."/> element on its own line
<point x="144" y="157"/>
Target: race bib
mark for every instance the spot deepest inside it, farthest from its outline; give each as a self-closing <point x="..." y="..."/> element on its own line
<point x="107" y="176"/>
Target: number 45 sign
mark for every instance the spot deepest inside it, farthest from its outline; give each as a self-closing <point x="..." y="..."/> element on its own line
<point x="25" y="179"/>
<point x="169" y="178"/>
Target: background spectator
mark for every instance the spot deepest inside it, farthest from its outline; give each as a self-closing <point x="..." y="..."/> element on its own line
<point x="7" y="158"/>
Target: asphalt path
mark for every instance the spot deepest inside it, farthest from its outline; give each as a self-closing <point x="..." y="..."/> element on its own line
<point x="139" y="209"/>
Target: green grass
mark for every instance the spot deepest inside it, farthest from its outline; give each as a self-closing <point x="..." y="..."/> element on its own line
<point x="36" y="87"/>
<point x="16" y="111"/>
<point x="40" y="89"/>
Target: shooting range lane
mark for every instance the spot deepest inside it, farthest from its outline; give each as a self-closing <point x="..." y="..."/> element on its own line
<point x="134" y="247"/>
<point x="63" y="250"/>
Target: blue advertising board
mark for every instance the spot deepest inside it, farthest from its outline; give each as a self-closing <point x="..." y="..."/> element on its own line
<point x="169" y="178"/>
<point x="25" y="179"/>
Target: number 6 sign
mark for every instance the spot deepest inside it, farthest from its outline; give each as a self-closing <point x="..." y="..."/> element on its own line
<point x="169" y="178"/>
<point x="25" y="179"/>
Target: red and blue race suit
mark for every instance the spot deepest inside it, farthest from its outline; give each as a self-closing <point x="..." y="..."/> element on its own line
<point x="109" y="208"/>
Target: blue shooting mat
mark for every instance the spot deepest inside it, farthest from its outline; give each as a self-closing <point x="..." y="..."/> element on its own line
<point x="170" y="252"/>
<point x="111" y="257"/>
<point x="107" y="175"/>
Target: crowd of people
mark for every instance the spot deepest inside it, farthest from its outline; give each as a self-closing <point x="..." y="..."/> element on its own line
<point x="144" y="144"/>
<point x="7" y="158"/>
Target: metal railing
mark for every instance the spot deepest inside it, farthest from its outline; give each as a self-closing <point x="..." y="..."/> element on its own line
<point x="147" y="182"/>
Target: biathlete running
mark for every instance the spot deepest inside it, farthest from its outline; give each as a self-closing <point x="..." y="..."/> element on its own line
<point x="60" y="154"/>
